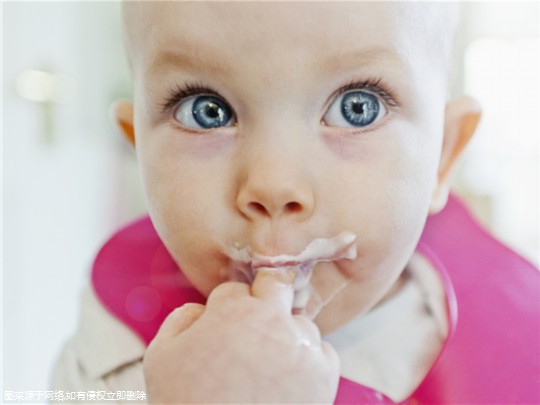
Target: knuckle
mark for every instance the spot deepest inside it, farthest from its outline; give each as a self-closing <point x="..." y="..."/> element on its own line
<point x="177" y="312"/>
<point x="309" y="327"/>
<point x="225" y="291"/>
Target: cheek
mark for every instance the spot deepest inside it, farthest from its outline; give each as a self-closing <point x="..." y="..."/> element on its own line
<point x="389" y="189"/>
<point x="180" y="185"/>
<point x="387" y="201"/>
<point x="185" y="201"/>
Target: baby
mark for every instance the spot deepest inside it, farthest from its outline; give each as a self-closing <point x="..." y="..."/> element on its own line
<point x="291" y="154"/>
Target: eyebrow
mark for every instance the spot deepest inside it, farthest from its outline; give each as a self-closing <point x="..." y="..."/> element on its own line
<point x="378" y="56"/>
<point x="194" y="61"/>
<point x="197" y="61"/>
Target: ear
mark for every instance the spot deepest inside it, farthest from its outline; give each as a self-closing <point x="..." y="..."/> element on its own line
<point x="121" y="112"/>
<point x="461" y="119"/>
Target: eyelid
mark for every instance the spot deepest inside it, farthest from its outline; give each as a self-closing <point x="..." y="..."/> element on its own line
<point x="182" y="92"/>
<point x="373" y="86"/>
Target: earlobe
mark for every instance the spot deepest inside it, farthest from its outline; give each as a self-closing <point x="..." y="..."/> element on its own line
<point x="461" y="120"/>
<point x="121" y="112"/>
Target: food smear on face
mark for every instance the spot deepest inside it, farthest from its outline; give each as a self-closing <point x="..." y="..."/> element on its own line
<point x="245" y="264"/>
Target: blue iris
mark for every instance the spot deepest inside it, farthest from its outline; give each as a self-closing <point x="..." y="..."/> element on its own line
<point x="360" y="108"/>
<point x="211" y="112"/>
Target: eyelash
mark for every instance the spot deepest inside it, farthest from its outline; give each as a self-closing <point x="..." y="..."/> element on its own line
<point x="179" y="93"/>
<point x="375" y="86"/>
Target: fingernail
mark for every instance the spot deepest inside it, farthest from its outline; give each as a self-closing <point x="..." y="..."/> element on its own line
<point x="291" y="274"/>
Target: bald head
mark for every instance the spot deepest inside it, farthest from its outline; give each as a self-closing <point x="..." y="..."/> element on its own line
<point x="430" y="25"/>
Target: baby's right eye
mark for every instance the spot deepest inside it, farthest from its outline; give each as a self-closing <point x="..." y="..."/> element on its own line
<point x="204" y="112"/>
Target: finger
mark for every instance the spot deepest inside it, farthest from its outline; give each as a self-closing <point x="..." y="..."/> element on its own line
<point x="274" y="286"/>
<point x="308" y="329"/>
<point x="226" y="291"/>
<point x="179" y="320"/>
<point x="331" y="354"/>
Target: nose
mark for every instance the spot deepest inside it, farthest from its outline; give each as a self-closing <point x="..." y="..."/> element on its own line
<point x="275" y="188"/>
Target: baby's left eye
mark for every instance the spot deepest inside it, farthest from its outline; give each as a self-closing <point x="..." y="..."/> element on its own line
<point x="355" y="109"/>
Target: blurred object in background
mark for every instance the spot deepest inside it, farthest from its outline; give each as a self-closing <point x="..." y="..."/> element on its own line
<point x="500" y="174"/>
<point x="68" y="177"/>
<point x="48" y="89"/>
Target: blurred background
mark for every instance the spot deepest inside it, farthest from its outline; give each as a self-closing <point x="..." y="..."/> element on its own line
<point x="69" y="179"/>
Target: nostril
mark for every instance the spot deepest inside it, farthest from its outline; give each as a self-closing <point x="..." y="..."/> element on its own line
<point x="258" y="208"/>
<point x="293" y="207"/>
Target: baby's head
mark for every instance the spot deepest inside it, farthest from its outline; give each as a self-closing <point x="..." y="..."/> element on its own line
<point x="269" y="125"/>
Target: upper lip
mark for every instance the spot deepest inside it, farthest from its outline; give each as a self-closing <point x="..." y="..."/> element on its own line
<point x="264" y="262"/>
<point x="328" y="249"/>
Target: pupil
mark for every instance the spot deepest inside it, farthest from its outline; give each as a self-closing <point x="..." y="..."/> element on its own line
<point x="358" y="108"/>
<point x="213" y="111"/>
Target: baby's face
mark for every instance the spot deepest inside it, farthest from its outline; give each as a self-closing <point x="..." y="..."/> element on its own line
<point x="268" y="125"/>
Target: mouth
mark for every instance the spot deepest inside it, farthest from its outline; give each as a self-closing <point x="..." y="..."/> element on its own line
<point x="245" y="264"/>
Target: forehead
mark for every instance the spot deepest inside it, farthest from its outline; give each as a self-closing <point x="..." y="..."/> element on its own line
<point x="221" y="32"/>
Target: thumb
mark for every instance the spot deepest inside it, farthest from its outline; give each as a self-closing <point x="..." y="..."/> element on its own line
<point x="275" y="286"/>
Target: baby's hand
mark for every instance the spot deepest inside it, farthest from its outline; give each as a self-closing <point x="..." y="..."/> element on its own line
<point x="245" y="346"/>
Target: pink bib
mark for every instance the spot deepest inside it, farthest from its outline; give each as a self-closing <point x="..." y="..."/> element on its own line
<point x="491" y="354"/>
